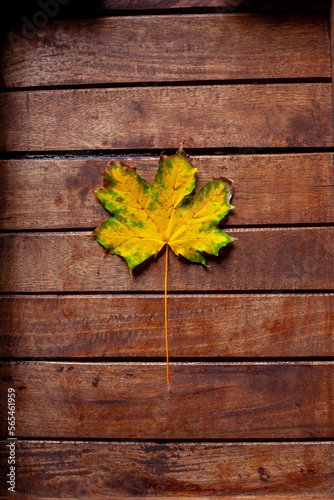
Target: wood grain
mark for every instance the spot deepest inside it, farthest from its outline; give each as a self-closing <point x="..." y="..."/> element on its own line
<point x="260" y="259"/>
<point x="219" y="401"/>
<point x="110" y="6"/>
<point x="146" y="49"/>
<point x="162" y="470"/>
<point x="328" y="496"/>
<point x="268" y="189"/>
<point x="318" y="496"/>
<point x="277" y="115"/>
<point x="208" y="401"/>
<point x="331" y="24"/>
<point x="111" y="326"/>
<point x="12" y="24"/>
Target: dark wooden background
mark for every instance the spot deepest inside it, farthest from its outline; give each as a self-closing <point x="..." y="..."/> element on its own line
<point x="249" y="85"/>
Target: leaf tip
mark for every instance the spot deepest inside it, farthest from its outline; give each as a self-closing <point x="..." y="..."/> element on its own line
<point x="185" y="140"/>
<point x="181" y="151"/>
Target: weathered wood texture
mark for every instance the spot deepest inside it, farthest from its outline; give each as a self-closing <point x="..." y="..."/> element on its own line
<point x="33" y="13"/>
<point x="268" y="189"/>
<point x="110" y="6"/>
<point x="198" y="326"/>
<point x="208" y="401"/>
<point x="146" y="49"/>
<point x="13" y="25"/>
<point x="262" y="259"/>
<point x="91" y="398"/>
<point x="148" y="470"/>
<point x="317" y="496"/>
<point x="229" y="4"/>
<point x="261" y="496"/>
<point x="331" y="23"/>
<point x="275" y="115"/>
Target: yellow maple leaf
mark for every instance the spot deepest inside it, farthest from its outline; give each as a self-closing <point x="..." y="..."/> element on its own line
<point x="145" y="219"/>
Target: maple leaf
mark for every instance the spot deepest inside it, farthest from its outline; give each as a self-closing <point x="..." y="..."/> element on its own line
<point x="146" y="218"/>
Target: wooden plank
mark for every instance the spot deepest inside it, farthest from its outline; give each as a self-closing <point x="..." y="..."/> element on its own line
<point x="332" y="43"/>
<point x="306" y="496"/>
<point x="279" y="115"/>
<point x="318" y="496"/>
<point x="23" y="19"/>
<point x="302" y="496"/>
<point x="130" y="401"/>
<point x="134" y="50"/>
<point x="329" y="496"/>
<point x="219" y="5"/>
<point x="261" y="259"/>
<point x="268" y="189"/>
<point x="107" y="326"/>
<point x="154" y="470"/>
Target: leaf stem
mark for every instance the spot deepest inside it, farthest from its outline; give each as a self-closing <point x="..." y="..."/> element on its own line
<point x="166" y="329"/>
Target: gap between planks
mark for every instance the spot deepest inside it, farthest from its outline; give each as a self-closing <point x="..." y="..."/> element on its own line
<point x="203" y="83"/>
<point x="141" y="154"/>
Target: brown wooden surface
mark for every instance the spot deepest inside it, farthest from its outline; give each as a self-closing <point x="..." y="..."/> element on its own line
<point x="208" y="401"/>
<point x="148" y="470"/>
<point x="331" y="24"/>
<point x="318" y="496"/>
<point x="276" y="115"/>
<point x="146" y="49"/>
<point x="57" y="193"/>
<point x="219" y="5"/>
<point x="261" y="259"/>
<point x="198" y="325"/>
<point x="11" y="23"/>
<point x="80" y="384"/>
<point x="261" y="496"/>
